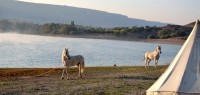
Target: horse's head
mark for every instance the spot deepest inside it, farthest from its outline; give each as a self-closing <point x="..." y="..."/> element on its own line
<point x="159" y="49"/>
<point x="67" y="53"/>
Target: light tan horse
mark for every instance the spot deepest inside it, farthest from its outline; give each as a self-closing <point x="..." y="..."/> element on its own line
<point x="155" y="55"/>
<point x="68" y="61"/>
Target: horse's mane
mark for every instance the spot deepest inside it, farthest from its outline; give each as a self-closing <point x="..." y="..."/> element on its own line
<point x="63" y="54"/>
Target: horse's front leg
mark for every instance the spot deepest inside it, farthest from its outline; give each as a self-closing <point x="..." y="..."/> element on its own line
<point x="156" y="61"/>
<point x="67" y="72"/>
<point x="62" y="77"/>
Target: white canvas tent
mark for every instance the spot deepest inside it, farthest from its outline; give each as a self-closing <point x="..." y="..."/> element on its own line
<point x="182" y="77"/>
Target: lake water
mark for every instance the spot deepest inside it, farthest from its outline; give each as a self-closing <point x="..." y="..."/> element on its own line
<point x="31" y="51"/>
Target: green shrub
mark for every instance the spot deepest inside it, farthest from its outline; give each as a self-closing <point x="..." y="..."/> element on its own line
<point x="151" y="37"/>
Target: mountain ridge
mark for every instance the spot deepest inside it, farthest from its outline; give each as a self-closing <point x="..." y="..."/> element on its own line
<point x="47" y="13"/>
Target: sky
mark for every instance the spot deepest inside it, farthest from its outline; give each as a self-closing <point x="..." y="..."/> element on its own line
<point x="168" y="11"/>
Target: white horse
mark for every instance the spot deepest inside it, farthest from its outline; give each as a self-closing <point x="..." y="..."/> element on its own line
<point x="68" y="61"/>
<point x="155" y="55"/>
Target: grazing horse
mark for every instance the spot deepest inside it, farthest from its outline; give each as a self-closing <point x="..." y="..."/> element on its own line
<point x="68" y="61"/>
<point x="155" y="55"/>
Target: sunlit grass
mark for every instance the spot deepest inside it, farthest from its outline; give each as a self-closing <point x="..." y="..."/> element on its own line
<point x="97" y="80"/>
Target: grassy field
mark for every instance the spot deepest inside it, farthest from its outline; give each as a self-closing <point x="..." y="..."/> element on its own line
<point x="97" y="80"/>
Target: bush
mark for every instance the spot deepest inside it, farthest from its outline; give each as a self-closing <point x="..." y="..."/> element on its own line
<point x="151" y="37"/>
<point x="163" y="34"/>
<point x="184" y="38"/>
<point x="173" y="35"/>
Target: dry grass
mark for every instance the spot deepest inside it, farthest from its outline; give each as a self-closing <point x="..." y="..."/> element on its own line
<point x="97" y="81"/>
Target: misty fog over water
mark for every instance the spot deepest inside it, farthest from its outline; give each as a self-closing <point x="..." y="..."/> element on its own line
<point x="32" y="51"/>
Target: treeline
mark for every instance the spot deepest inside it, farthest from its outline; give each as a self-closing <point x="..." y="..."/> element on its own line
<point x="154" y="32"/>
<point x="18" y="26"/>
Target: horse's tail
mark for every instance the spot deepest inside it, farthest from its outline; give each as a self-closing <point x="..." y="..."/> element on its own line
<point x="83" y="64"/>
<point x="143" y="58"/>
<point x="82" y="67"/>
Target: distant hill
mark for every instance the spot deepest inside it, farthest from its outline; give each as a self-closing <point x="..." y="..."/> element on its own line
<point x="45" y="13"/>
<point x="190" y="24"/>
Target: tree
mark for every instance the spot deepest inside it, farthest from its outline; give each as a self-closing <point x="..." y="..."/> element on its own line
<point x="163" y="34"/>
<point x="63" y="29"/>
<point x="72" y="23"/>
<point x="45" y="29"/>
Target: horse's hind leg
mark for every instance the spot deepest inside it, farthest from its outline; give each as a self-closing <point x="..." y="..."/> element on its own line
<point x="149" y="60"/>
<point x="145" y="60"/>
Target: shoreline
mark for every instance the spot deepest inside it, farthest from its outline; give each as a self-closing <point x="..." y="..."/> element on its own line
<point x="173" y="41"/>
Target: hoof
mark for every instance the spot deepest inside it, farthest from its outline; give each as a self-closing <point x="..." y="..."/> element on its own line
<point x="80" y="77"/>
<point x="62" y="78"/>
